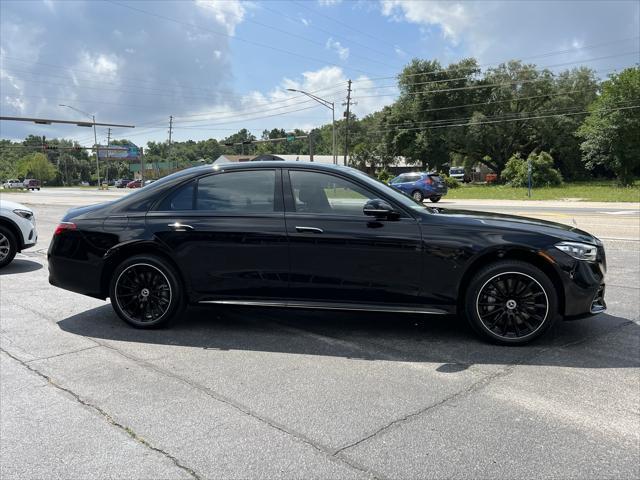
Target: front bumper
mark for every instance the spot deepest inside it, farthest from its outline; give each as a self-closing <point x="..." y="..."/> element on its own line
<point x="582" y="282"/>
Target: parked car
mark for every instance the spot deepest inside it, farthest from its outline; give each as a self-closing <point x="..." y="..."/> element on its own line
<point x="122" y="183"/>
<point x="31" y="184"/>
<point x="148" y="182"/>
<point x="17" y="230"/>
<point x="309" y="235"/>
<point x="459" y="174"/>
<point x="421" y="185"/>
<point x="13" y="183"/>
<point x="134" y="184"/>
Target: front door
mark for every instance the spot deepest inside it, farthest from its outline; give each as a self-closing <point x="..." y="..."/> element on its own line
<point x="340" y="255"/>
<point x="226" y="232"/>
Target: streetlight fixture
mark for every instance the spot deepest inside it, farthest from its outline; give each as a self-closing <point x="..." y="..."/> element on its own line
<point x="95" y="137"/>
<point x="330" y="106"/>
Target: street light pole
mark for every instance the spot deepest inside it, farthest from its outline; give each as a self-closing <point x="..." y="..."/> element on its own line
<point x="95" y="137"/>
<point x="330" y="106"/>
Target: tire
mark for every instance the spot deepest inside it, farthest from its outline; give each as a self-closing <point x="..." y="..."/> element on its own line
<point x="8" y="246"/>
<point x="511" y="302"/>
<point x="146" y="292"/>
<point x="417" y="195"/>
<point x="435" y="199"/>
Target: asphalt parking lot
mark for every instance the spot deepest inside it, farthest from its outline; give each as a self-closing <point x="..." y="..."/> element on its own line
<point x="268" y="393"/>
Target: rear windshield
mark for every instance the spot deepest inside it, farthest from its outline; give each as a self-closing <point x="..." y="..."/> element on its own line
<point x="456" y="170"/>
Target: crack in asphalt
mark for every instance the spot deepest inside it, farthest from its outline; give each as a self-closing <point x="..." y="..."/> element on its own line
<point x="326" y="451"/>
<point x="131" y="433"/>
<point x="61" y="354"/>
<point x="335" y="455"/>
<point x="480" y="384"/>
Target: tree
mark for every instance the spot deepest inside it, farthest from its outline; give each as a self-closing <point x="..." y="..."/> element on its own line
<point x="36" y="165"/>
<point x="543" y="174"/>
<point x="611" y="132"/>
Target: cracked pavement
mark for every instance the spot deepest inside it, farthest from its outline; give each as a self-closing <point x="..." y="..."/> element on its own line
<point x="267" y="393"/>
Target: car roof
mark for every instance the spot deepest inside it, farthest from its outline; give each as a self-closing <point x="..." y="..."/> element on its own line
<point x="269" y="164"/>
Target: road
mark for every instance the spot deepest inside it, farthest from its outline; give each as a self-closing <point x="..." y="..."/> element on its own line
<point x="269" y="393"/>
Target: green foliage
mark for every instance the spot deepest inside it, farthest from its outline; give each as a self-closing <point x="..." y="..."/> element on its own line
<point x="611" y="137"/>
<point x="543" y="174"/>
<point x="384" y="175"/>
<point x="36" y="165"/>
<point x="450" y="182"/>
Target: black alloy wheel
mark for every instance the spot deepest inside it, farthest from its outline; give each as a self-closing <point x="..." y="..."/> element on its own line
<point x="146" y="292"/>
<point x="8" y="246"/>
<point x="511" y="302"/>
<point x="417" y="196"/>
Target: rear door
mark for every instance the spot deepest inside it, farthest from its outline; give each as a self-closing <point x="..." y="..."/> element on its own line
<point x="227" y="233"/>
<point x="340" y="255"/>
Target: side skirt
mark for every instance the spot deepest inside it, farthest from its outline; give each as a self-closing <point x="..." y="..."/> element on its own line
<point x="329" y="306"/>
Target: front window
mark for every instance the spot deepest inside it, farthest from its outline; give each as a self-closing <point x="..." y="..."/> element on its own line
<point x="316" y="192"/>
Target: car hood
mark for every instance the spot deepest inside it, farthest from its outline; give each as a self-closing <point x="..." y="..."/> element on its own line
<point x="514" y="222"/>
<point x="9" y="205"/>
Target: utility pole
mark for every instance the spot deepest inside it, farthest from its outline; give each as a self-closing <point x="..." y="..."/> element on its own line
<point x="108" y="153"/>
<point x="170" y="133"/>
<point x="346" y="125"/>
<point x="310" y="147"/>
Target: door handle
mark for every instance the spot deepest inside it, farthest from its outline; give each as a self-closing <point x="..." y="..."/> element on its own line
<point x="308" y="230"/>
<point x="180" y="227"/>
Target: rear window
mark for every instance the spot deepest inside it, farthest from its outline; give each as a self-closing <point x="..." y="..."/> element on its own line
<point x="247" y="191"/>
<point x="436" y="178"/>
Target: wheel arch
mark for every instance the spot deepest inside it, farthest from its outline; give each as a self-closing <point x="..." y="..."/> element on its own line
<point x="116" y="255"/>
<point x="513" y="253"/>
<point x="13" y="228"/>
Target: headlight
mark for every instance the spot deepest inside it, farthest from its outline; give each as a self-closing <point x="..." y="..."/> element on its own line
<point x="581" y="251"/>
<point x="24" y="214"/>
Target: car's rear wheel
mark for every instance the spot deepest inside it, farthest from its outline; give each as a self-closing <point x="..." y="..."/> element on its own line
<point x="417" y="196"/>
<point x="8" y="246"/>
<point x="511" y="302"/>
<point x="146" y="292"/>
<point x="435" y="199"/>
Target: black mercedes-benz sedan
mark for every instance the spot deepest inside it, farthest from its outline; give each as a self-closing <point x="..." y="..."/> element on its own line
<point x="305" y="235"/>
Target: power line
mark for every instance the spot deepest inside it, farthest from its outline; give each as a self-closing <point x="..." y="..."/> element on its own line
<point x="468" y="87"/>
<point x="505" y="115"/>
<point x="537" y="70"/>
<point x="547" y="54"/>
<point x="232" y="37"/>
<point x="328" y="32"/>
<point x="472" y="124"/>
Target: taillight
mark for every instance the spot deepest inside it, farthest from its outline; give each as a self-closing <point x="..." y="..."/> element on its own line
<point x="64" y="226"/>
<point x="428" y="181"/>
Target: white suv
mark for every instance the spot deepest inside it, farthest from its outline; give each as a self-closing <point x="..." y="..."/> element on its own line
<point x="17" y="230"/>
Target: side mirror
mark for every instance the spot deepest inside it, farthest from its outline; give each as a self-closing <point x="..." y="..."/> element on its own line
<point x="379" y="209"/>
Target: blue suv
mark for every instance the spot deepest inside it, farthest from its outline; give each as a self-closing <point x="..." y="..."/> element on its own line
<point x="421" y="185"/>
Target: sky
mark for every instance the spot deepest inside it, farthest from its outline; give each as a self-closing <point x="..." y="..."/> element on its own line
<point x="218" y="66"/>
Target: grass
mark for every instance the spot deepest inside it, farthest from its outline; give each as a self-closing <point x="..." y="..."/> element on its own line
<point x="594" y="191"/>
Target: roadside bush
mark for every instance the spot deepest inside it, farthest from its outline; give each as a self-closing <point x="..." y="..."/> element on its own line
<point x="542" y="172"/>
<point x="384" y="175"/>
<point x="451" y="182"/>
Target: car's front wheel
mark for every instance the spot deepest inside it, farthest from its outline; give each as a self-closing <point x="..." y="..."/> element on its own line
<point x="146" y="292"/>
<point x="8" y="246"/>
<point x="511" y="302"/>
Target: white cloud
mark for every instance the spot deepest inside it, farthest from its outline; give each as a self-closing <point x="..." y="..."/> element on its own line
<point x="452" y="17"/>
<point x="305" y="22"/>
<point x="228" y="13"/>
<point x="343" y="52"/>
<point x="329" y="3"/>
<point x="104" y="65"/>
